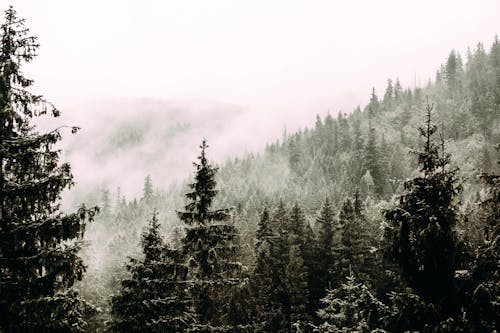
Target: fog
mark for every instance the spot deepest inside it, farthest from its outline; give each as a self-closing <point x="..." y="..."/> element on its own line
<point x="234" y="72"/>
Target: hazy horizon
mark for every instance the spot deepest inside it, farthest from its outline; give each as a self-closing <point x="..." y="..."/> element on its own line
<point x="278" y="63"/>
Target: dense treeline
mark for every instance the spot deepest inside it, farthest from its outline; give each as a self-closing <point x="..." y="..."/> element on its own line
<point x="332" y="229"/>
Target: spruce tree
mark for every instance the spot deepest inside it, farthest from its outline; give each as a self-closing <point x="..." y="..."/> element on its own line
<point x="420" y="230"/>
<point x="325" y="222"/>
<point x="39" y="245"/>
<point x="269" y="315"/>
<point x="374" y="105"/>
<point x="147" y="191"/>
<point x="153" y="298"/>
<point x="296" y="275"/>
<point x="352" y="248"/>
<point x="351" y="308"/>
<point x="389" y="95"/>
<point x="372" y="162"/>
<point x="210" y="245"/>
<point x="485" y="278"/>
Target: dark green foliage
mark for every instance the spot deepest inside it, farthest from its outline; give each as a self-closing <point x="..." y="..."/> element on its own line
<point x="421" y="227"/>
<point x="210" y="246"/>
<point x="485" y="280"/>
<point x="292" y="267"/>
<point x="351" y="248"/>
<point x="153" y="297"/>
<point x="39" y="262"/>
<point x="351" y="308"/>
<point x="325" y="222"/>
<point x="373" y="163"/>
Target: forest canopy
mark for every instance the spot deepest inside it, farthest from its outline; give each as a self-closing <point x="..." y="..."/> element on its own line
<point x="384" y="219"/>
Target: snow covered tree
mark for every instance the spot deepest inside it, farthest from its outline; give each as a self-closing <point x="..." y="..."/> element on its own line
<point x="325" y="222"/>
<point x="484" y="306"/>
<point x="372" y="162"/>
<point x="147" y="190"/>
<point x="269" y="314"/>
<point x="351" y="308"/>
<point x="420" y="228"/>
<point x="374" y="104"/>
<point x="39" y="245"/>
<point x="297" y="287"/>
<point x="210" y="246"/>
<point x="351" y="249"/>
<point x="388" y="95"/>
<point x="153" y="297"/>
<point x="264" y="228"/>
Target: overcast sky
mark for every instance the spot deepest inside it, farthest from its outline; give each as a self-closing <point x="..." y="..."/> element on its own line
<point x="280" y="62"/>
<point x="262" y="55"/>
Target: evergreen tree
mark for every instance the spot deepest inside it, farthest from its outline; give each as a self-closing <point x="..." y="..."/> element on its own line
<point x="389" y="95"/>
<point x="39" y="245"/>
<point x="352" y="248"/>
<point x="351" y="308"/>
<point x="147" y="191"/>
<point x="269" y="314"/>
<point x="152" y="298"/>
<point x="325" y="222"/>
<point x="264" y="228"/>
<point x="398" y="91"/>
<point x="297" y="287"/>
<point x="374" y="104"/>
<point x="372" y="162"/>
<point x="453" y="71"/>
<point x="210" y="244"/>
<point x="421" y="227"/>
<point x="485" y="280"/>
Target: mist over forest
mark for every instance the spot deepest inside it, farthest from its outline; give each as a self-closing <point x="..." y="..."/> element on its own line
<point x="200" y="215"/>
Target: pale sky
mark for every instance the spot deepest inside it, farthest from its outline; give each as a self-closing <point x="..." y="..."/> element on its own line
<point x="263" y="55"/>
<point x="281" y="62"/>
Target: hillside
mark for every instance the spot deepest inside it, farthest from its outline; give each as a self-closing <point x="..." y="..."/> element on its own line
<point x="365" y="152"/>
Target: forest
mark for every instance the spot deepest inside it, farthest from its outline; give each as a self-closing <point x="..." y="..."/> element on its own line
<point x="383" y="219"/>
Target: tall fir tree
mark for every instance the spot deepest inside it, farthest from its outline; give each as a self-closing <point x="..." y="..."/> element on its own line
<point x="147" y="190"/>
<point x="39" y="245"/>
<point x="211" y="246"/>
<point x="351" y="308"/>
<point x="325" y="222"/>
<point x="372" y="162"/>
<point x="268" y="312"/>
<point x="351" y="248"/>
<point x="374" y="105"/>
<point x="420" y="232"/>
<point x="388" y="95"/>
<point x="153" y="297"/>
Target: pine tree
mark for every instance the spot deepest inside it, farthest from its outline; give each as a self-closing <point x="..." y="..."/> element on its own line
<point x="421" y="227"/>
<point x="264" y="228"/>
<point x="351" y="308"/>
<point x="483" y="305"/>
<point x="296" y="275"/>
<point x="351" y="250"/>
<point x="210" y="244"/>
<point x="39" y="245"/>
<point x="325" y="224"/>
<point x="389" y="95"/>
<point x="373" y="105"/>
<point x="372" y="162"/>
<point x="269" y="315"/>
<point x="398" y="92"/>
<point x="147" y="191"/>
<point x="453" y="71"/>
<point x="153" y="298"/>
